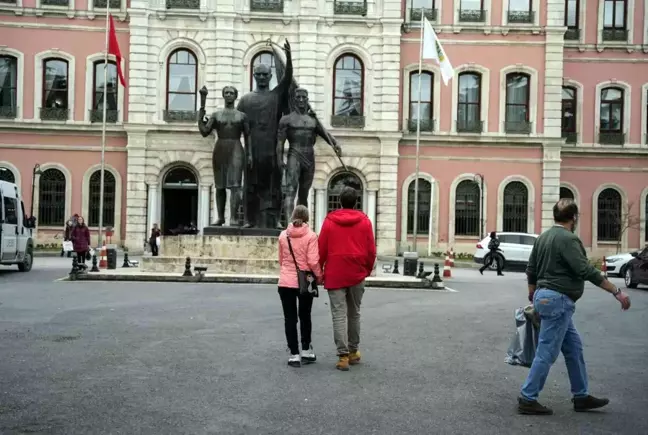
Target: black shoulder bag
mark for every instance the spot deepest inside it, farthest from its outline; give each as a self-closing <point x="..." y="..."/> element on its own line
<point x="305" y="278"/>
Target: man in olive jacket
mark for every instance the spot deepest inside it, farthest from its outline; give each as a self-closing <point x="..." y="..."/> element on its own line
<point x="556" y="274"/>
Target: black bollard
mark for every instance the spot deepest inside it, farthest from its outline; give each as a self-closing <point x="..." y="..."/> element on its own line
<point x="420" y="271"/>
<point x="126" y="262"/>
<point x="395" y="270"/>
<point x="75" y="268"/>
<point x="94" y="264"/>
<point x="187" y="271"/>
<point x="437" y="282"/>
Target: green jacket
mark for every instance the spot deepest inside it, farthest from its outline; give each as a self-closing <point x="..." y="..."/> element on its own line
<point x="558" y="262"/>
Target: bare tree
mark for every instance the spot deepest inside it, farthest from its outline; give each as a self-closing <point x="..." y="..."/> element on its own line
<point x="625" y="221"/>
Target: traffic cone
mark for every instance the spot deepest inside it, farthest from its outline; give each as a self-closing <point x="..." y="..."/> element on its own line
<point x="452" y="258"/>
<point x="604" y="268"/>
<point x="103" y="260"/>
<point x="447" y="273"/>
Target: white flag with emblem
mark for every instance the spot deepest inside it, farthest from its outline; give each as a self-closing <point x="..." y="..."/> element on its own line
<point x="432" y="49"/>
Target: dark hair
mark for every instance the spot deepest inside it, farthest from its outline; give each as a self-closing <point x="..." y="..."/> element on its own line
<point x="493" y="234"/>
<point x="302" y="90"/>
<point x="348" y="197"/>
<point x="565" y="210"/>
<point x="299" y="216"/>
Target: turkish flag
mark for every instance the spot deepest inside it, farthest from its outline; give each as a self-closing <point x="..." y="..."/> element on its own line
<point x="113" y="48"/>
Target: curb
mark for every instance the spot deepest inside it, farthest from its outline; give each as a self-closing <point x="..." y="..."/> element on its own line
<point x="234" y="279"/>
<point x="427" y="261"/>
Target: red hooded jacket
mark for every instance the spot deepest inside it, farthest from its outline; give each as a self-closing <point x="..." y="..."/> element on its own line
<point x="347" y="248"/>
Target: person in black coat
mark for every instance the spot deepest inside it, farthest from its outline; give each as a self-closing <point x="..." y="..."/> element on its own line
<point x="493" y="255"/>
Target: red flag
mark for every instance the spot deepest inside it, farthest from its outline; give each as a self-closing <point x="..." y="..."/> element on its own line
<point x="113" y="48"/>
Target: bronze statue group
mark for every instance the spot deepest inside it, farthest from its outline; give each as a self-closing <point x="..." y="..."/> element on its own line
<point x="265" y="118"/>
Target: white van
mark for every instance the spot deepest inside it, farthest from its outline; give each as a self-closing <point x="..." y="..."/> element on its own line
<point x="16" y="243"/>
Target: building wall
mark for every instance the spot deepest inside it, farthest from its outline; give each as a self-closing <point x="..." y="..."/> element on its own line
<point x="32" y="32"/>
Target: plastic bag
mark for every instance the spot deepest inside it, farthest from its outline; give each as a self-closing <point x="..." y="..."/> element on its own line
<point x="67" y="246"/>
<point x="524" y="342"/>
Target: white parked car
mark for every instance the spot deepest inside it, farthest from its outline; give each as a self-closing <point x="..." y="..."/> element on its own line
<point x="515" y="248"/>
<point x="617" y="264"/>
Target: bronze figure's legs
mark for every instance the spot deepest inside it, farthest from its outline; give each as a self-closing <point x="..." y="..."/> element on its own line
<point x="235" y="202"/>
<point x="221" y="198"/>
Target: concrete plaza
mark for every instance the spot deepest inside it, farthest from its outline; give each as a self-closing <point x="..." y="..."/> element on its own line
<point x="147" y="358"/>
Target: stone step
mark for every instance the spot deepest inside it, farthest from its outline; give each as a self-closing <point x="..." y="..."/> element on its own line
<point x="221" y="246"/>
<point x="176" y="264"/>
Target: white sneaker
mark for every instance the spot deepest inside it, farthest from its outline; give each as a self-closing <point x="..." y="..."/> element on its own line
<point x="294" y="361"/>
<point x="308" y="355"/>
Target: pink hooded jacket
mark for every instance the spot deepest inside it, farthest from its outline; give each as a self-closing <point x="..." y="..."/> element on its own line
<point x="304" y="244"/>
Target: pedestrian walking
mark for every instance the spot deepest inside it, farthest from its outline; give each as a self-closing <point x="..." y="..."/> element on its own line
<point x="67" y="236"/>
<point x="298" y="252"/>
<point x="556" y="273"/>
<point x="81" y="240"/>
<point x="154" y="240"/>
<point x="493" y="255"/>
<point x="347" y="252"/>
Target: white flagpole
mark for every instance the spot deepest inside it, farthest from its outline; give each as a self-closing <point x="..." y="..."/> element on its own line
<point x="418" y="132"/>
<point x="103" y="133"/>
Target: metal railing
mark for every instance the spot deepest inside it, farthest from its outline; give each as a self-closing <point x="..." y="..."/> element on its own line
<point x="611" y="138"/>
<point x="615" y="35"/>
<point x="54" y="114"/>
<point x="8" y="112"/>
<point x="518" y="127"/>
<point x="470" y="126"/>
<point x="572" y="34"/>
<point x="472" y="15"/>
<point x="96" y="115"/>
<point x="521" y="17"/>
<point x="342" y="121"/>
<point x="350" y="7"/>
<point x="571" y="137"/>
<point x="266" y="5"/>
<point x="55" y="2"/>
<point x="101" y="4"/>
<point x="415" y="14"/>
<point x="427" y="125"/>
<point x="180" y="116"/>
<point x="183" y="4"/>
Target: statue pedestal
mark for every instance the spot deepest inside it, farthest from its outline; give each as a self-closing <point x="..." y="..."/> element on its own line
<point x="221" y="250"/>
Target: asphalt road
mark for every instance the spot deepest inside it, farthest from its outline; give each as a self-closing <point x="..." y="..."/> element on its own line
<point x="138" y="358"/>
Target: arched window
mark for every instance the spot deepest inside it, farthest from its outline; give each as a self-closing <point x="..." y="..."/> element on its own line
<point x="518" y="93"/>
<point x="112" y="89"/>
<point x="182" y="80"/>
<point x="8" y="87"/>
<point x="180" y="175"/>
<point x="336" y="185"/>
<point x="568" y="114"/>
<point x="611" y="116"/>
<point x="55" y="90"/>
<point x="7" y="175"/>
<point x="469" y="103"/>
<point x="515" y="210"/>
<point x="609" y="215"/>
<point x="424" y="100"/>
<point x="348" y="92"/>
<point x="51" y="198"/>
<point x="264" y="58"/>
<point x="467" y="204"/>
<point x="95" y="197"/>
<point x="424" y="207"/>
<point x="566" y="193"/>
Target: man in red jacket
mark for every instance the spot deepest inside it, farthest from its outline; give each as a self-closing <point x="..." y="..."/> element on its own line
<point x="347" y="252"/>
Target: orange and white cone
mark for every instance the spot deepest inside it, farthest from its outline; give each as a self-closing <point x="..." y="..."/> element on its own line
<point x="604" y="268"/>
<point x="452" y="258"/>
<point x="447" y="272"/>
<point x="103" y="260"/>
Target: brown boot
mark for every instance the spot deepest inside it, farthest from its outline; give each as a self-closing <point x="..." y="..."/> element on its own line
<point x="354" y="357"/>
<point x="343" y="363"/>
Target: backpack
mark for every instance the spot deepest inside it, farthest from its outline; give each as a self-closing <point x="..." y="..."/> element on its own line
<point x="493" y="245"/>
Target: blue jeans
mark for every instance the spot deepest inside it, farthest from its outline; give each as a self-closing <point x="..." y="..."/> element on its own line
<point x="557" y="333"/>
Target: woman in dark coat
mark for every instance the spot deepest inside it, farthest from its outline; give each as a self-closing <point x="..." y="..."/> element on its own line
<point x="493" y="255"/>
<point x="69" y="226"/>
<point x="153" y="238"/>
<point x="81" y="240"/>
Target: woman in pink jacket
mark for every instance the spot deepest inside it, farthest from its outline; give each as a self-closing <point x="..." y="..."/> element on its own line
<point x="304" y="245"/>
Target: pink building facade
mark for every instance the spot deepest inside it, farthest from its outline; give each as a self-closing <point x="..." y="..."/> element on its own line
<point x="549" y="100"/>
<point x="51" y="101"/>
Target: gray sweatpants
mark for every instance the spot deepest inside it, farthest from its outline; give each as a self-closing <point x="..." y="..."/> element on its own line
<point x="345" y="310"/>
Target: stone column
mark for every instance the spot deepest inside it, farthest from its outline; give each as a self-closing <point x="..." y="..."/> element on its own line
<point x="320" y="209"/>
<point x="153" y="206"/>
<point x="203" y="207"/>
<point x="372" y="195"/>
<point x="386" y="207"/>
<point x="136" y="190"/>
<point x="550" y="182"/>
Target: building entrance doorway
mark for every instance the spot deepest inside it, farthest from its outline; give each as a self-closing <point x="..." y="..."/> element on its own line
<point x="179" y="202"/>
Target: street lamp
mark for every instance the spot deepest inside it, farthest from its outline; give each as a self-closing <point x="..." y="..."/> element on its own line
<point x="479" y="179"/>
<point x="36" y="171"/>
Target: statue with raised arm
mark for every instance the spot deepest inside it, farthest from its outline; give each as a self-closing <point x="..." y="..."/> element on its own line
<point x="300" y="128"/>
<point x="264" y="108"/>
<point x="229" y="157"/>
